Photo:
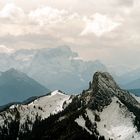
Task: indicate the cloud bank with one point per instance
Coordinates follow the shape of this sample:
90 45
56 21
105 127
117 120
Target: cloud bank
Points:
103 30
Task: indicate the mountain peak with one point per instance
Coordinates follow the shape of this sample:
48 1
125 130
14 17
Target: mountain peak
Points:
18 86
14 73
103 79
101 91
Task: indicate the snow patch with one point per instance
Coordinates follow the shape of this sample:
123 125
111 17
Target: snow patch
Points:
81 122
117 122
90 115
43 107
56 92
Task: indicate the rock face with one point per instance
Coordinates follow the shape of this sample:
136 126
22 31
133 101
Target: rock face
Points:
103 111
101 91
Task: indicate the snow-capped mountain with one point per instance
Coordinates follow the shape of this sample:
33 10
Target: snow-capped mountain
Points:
49 66
102 112
43 107
16 86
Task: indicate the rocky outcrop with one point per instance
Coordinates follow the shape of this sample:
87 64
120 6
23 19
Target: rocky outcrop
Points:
102 89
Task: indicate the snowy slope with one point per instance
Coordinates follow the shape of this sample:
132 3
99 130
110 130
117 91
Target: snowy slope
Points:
43 107
116 122
81 122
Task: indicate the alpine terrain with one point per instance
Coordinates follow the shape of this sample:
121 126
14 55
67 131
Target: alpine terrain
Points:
104 111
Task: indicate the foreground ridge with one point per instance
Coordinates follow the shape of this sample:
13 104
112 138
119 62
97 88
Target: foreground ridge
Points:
104 111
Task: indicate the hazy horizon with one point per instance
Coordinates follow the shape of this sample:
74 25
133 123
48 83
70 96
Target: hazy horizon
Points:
96 30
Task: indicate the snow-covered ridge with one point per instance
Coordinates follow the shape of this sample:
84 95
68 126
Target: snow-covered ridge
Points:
114 108
116 122
43 107
56 92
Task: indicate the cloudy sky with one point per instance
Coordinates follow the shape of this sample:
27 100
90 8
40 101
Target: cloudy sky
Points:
108 30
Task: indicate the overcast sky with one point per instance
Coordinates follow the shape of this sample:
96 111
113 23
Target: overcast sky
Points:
108 30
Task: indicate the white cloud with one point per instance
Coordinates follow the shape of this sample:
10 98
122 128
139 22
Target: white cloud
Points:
4 49
26 24
57 22
43 20
12 13
99 25
47 15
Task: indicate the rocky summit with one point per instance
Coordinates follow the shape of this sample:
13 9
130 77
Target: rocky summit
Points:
104 111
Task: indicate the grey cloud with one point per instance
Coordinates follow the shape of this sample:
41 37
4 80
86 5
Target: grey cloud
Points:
126 2
29 41
120 46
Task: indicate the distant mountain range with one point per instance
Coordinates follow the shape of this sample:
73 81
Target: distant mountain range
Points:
54 68
16 86
135 84
135 91
130 80
61 68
